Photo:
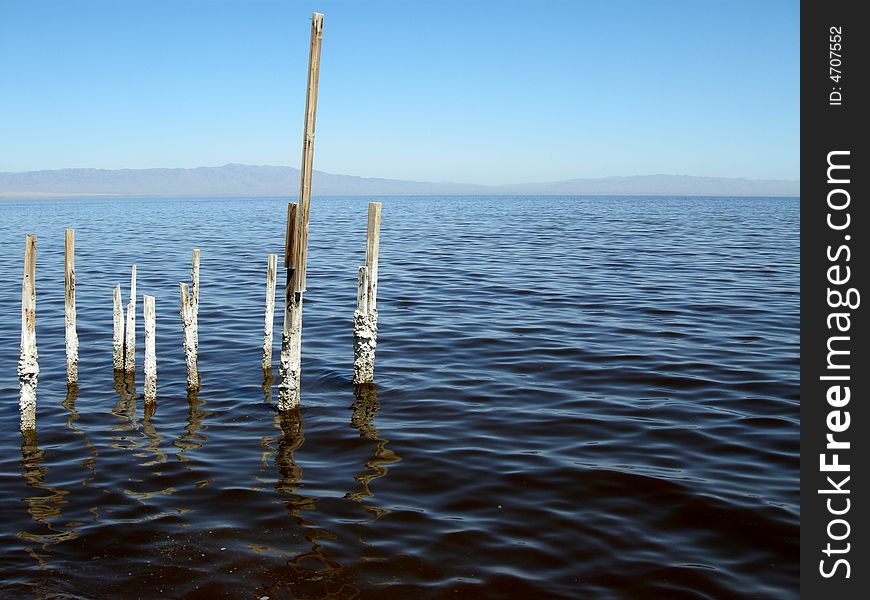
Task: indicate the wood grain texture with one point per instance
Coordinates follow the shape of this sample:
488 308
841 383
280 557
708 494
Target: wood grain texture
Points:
28 363
188 325
130 327
373 245
71 336
308 150
117 330
149 318
269 322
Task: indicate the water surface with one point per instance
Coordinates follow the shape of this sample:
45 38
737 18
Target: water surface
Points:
576 398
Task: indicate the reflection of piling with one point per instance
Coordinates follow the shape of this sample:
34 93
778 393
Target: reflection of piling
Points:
130 329
365 317
292 438
28 365
363 419
125 408
296 251
69 403
150 357
118 330
46 503
188 326
72 338
192 438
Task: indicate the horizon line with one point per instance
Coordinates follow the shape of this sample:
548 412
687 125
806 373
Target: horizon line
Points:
443 181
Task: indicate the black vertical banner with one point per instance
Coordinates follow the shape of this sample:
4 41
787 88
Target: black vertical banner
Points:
835 421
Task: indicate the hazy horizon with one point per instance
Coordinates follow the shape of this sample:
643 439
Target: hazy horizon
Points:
242 180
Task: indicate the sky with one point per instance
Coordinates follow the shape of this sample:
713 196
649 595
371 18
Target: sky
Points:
501 91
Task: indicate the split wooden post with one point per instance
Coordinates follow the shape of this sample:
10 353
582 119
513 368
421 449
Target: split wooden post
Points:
130 329
365 317
268 325
188 326
297 244
72 338
150 357
291 332
308 149
28 365
194 277
190 322
118 330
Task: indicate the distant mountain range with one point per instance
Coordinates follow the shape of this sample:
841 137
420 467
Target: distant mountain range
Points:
253 180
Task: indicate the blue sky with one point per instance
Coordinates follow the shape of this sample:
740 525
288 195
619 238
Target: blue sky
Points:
472 91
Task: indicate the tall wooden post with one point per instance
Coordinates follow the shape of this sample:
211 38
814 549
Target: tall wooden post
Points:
72 338
150 356
28 365
130 329
308 149
291 338
291 332
365 317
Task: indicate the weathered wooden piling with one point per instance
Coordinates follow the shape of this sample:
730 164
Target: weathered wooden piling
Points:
365 317
118 331
130 329
268 325
190 322
150 357
28 365
72 338
308 149
291 332
194 299
296 249
188 326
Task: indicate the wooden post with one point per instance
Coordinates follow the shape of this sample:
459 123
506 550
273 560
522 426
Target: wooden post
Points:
118 331
271 269
150 357
188 326
28 365
72 338
194 276
373 246
308 149
365 318
362 291
130 329
296 249
291 332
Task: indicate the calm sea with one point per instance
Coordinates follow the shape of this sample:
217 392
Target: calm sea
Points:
576 398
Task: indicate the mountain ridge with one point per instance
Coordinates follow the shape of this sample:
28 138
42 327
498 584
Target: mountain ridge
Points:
236 179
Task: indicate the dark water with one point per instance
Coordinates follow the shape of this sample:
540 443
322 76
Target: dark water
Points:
576 398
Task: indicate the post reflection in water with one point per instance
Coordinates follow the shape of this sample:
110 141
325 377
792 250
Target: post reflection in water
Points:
289 482
154 439
69 403
45 505
125 412
362 419
192 438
